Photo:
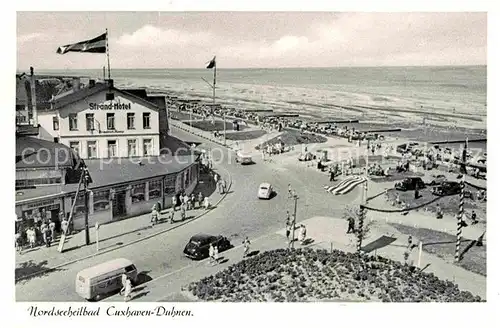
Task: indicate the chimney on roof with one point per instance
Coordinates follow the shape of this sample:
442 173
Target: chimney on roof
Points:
91 83
76 84
33 97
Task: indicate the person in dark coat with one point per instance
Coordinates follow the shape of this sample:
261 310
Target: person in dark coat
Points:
350 227
332 175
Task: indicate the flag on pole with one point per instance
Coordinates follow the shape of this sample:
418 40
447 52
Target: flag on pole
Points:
95 45
211 64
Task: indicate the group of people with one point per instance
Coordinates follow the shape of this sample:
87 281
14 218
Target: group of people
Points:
40 232
182 202
291 227
220 184
473 216
213 252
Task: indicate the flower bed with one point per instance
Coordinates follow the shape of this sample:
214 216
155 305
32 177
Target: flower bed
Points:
303 275
245 135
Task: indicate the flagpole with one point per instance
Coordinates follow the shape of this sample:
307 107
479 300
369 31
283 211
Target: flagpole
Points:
107 54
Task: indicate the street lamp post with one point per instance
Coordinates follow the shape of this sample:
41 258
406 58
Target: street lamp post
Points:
295 198
86 178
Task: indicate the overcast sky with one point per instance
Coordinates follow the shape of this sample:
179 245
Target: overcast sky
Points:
253 39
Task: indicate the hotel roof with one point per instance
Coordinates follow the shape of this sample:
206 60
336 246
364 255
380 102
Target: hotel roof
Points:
34 153
87 91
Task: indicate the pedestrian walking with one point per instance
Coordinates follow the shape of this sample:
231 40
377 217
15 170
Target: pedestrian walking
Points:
193 201
154 217
174 202
216 254
30 233
350 225
124 283
64 226
211 253
200 199
219 186
19 247
288 227
439 212
186 200
246 247
48 237
216 178
223 182
332 175
44 230
474 217
128 289
206 203
52 227
290 191
302 234
43 226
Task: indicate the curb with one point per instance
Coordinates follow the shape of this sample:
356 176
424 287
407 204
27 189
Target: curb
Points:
129 243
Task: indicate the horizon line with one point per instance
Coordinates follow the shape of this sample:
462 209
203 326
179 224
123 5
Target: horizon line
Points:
248 68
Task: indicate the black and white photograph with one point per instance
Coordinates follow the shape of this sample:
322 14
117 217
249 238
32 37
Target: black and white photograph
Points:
250 157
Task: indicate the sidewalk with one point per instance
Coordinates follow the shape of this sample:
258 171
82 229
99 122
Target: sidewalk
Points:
326 233
113 235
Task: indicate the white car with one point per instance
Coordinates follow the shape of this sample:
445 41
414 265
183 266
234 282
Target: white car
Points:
265 191
243 158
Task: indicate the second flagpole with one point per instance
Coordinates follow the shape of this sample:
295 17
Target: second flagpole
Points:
107 54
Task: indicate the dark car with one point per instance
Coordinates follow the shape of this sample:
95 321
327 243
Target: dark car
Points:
410 184
198 246
448 188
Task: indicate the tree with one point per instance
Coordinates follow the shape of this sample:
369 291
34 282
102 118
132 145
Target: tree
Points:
352 212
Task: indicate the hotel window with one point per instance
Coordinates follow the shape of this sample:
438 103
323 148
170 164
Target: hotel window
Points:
154 189
110 119
101 200
73 122
130 121
148 147
132 147
90 121
145 121
55 123
111 148
138 192
91 149
75 145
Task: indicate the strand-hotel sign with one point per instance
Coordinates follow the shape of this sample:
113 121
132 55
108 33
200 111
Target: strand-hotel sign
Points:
110 106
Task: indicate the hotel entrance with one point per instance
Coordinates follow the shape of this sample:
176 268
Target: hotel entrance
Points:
119 204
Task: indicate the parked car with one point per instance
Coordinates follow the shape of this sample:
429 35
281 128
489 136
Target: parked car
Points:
438 179
265 191
198 246
410 183
406 147
305 157
448 188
